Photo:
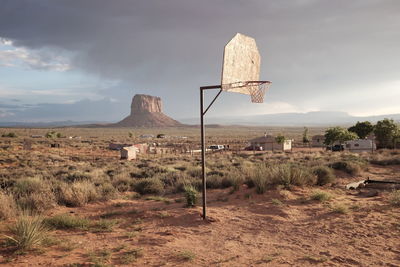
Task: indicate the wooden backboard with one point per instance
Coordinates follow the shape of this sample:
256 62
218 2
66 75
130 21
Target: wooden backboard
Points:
241 63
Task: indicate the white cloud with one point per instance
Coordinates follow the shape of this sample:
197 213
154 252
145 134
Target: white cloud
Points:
11 56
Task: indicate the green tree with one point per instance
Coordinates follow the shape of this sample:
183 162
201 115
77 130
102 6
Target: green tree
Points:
280 139
10 134
338 134
306 140
362 129
386 133
51 134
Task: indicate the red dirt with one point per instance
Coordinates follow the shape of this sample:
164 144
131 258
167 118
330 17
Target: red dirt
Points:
247 230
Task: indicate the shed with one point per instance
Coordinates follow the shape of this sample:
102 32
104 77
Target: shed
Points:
360 145
128 152
268 142
318 140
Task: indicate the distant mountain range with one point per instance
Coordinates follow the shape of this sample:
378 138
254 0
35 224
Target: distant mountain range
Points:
49 124
318 118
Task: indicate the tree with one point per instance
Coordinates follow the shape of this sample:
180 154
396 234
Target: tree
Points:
280 139
306 140
386 133
51 134
362 129
338 134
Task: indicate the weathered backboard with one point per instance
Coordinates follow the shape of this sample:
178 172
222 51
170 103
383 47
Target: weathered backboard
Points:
241 64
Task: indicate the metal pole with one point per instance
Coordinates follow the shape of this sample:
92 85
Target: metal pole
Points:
203 153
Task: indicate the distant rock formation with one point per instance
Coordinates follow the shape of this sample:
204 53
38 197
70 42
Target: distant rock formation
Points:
146 111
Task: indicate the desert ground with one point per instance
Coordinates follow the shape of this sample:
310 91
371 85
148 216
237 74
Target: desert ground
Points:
264 208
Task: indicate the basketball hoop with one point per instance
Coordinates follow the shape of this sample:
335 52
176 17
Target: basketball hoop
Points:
240 74
256 89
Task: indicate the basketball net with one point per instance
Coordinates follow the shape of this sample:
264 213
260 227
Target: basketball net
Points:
256 89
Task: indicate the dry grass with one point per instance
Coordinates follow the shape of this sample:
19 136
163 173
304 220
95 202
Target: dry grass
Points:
8 206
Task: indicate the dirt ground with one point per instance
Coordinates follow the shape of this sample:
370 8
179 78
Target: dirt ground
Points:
279 228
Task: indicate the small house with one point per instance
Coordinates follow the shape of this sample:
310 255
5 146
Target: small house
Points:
128 152
318 140
269 143
360 145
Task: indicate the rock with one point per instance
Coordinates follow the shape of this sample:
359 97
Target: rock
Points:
146 111
145 103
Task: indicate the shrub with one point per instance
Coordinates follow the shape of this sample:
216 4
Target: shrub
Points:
77 176
28 231
394 198
340 208
11 134
236 180
107 191
320 196
186 255
195 171
65 221
77 194
131 255
261 179
386 162
214 181
121 183
34 194
149 186
349 167
191 196
8 207
283 174
324 175
181 180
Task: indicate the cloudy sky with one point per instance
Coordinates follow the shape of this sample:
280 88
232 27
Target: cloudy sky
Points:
84 60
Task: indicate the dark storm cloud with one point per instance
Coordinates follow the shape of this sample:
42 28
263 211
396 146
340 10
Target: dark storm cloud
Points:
170 47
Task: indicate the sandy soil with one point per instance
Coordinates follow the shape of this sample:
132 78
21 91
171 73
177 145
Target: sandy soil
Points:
246 229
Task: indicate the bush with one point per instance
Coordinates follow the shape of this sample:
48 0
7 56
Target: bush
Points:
386 162
283 174
349 167
324 175
28 231
121 183
8 207
77 176
261 179
77 194
11 134
65 221
320 196
107 191
191 196
394 198
214 181
340 208
34 194
149 186
181 180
